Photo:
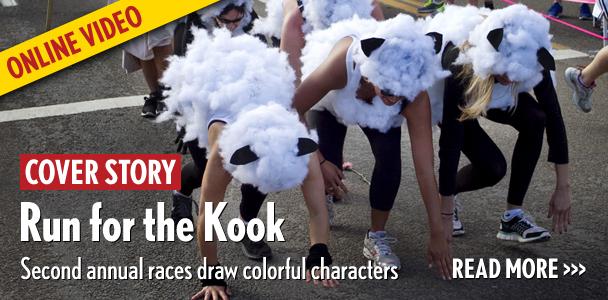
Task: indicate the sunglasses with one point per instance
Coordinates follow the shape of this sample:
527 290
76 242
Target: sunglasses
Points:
228 21
387 93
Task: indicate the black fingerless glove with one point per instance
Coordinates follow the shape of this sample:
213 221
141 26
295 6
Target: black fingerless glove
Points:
212 278
315 253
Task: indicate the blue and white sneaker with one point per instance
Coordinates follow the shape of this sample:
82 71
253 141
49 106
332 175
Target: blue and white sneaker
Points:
521 228
584 12
555 10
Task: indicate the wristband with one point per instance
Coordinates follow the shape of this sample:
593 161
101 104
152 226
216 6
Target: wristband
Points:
315 253
212 278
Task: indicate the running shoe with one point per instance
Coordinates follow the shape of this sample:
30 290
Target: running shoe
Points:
581 95
181 208
457 227
430 7
522 228
584 13
555 10
255 250
150 105
376 248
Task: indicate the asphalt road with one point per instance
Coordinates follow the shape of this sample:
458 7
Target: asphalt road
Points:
124 131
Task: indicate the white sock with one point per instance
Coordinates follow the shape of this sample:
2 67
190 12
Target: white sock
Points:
509 214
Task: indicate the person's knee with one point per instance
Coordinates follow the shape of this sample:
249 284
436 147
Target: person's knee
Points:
496 171
191 179
535 121
382 205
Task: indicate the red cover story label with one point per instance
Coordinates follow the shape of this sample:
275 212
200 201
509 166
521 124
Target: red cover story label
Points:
100 171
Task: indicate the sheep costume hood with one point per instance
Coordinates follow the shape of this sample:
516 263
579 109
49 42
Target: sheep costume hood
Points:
514 41
208 13
264 143
403 62
318 14
455 24
272 24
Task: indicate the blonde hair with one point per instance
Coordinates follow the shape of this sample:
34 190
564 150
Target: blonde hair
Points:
478 94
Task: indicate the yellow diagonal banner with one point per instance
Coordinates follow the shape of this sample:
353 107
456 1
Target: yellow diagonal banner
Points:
86 36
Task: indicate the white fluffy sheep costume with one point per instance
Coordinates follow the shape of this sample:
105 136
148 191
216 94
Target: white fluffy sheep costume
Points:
318 14
394 55
208 13
251 87
514 41
454 24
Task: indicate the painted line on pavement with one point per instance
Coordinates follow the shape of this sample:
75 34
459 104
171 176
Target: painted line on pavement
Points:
69 108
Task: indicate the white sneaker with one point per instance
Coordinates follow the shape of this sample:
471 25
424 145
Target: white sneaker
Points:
457 227
581 95
376 248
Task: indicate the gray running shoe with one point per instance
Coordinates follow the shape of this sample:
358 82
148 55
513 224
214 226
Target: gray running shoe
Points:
457 227
376 248
522 228
581 95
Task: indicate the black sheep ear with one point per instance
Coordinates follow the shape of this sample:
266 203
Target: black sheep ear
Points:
546 59
495 37
438 39
369 45
450 54
306 146
243 156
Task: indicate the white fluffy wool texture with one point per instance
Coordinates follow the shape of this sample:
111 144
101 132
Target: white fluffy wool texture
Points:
234 75
455 24
208 13
320 14
272 132
320 43
406 63
272 23
525 31
348 109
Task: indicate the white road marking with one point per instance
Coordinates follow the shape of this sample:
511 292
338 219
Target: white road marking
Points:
564 54
69 108
7 3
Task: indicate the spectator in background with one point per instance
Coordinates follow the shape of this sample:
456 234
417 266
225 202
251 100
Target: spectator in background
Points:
149 52
433 6
582 81
584 12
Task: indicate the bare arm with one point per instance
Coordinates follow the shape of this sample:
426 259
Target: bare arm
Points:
418 115
418 118
330 75
377 12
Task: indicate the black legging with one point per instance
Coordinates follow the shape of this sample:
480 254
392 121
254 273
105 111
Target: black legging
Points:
386 148
192 176
530 118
